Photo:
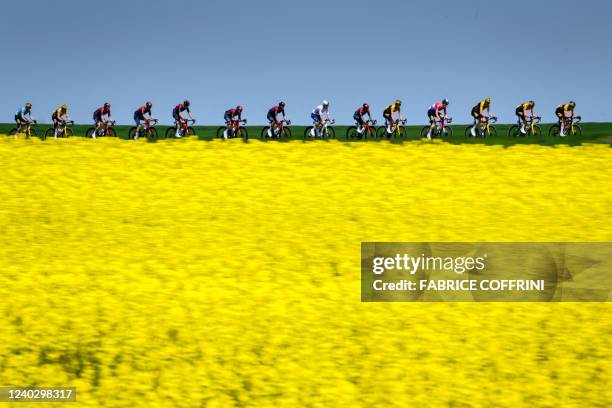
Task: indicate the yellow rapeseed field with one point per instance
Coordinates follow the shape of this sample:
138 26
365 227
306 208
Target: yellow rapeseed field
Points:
223 274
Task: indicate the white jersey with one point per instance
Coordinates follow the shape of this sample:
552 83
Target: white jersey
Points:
321 110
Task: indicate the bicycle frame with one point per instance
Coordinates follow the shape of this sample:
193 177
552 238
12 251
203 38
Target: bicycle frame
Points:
148 126
570 122
368 126
324 125
440 124
234 125
106 127
64 127
280 127
185 125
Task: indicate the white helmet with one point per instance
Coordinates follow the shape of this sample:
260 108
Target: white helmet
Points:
325 103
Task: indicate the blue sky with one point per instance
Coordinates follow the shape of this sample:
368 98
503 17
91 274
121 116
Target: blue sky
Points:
222 53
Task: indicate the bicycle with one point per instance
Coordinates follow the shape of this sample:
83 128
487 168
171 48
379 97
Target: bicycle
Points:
324 131
233 130
532 127
398 130
185 129
65 130
571 127
282 131
105 130
365 132
30 129
483 129
149 130
441 128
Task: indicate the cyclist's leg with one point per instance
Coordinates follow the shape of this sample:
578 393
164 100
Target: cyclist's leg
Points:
55 120
138 126
431 114
178 123
19 123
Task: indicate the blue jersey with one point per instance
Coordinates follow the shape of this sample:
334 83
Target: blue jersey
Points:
23 112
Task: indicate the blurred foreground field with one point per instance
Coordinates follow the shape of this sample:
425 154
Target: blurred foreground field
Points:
223 274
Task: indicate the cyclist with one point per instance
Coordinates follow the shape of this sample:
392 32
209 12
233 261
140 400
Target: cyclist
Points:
177 114
98 117
433 113
521 112
317 116
478 113
360 113
59 117
142 114
562 112
232 117
20 116
273 115
390 110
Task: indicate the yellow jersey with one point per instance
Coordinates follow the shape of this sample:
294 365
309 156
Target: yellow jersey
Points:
392 109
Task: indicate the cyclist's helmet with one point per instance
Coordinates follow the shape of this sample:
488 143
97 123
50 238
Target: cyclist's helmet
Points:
281 104
149 105
186 103
531 103
488 99
107 105
64 107
366 106
572 104
325 103
398 102
28 105
239 108
445 102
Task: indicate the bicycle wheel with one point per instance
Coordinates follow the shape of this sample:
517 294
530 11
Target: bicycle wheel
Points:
49 133
369 134
351 133
554 130
381 133
468 131
514 131
111 132
399 133
191 131
490 132
577 131
425 131
447 132
132 133
535 131
308 133
243 134
89 132
170 132
152 134
265 133
220 132
13 132
286 133
330 134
